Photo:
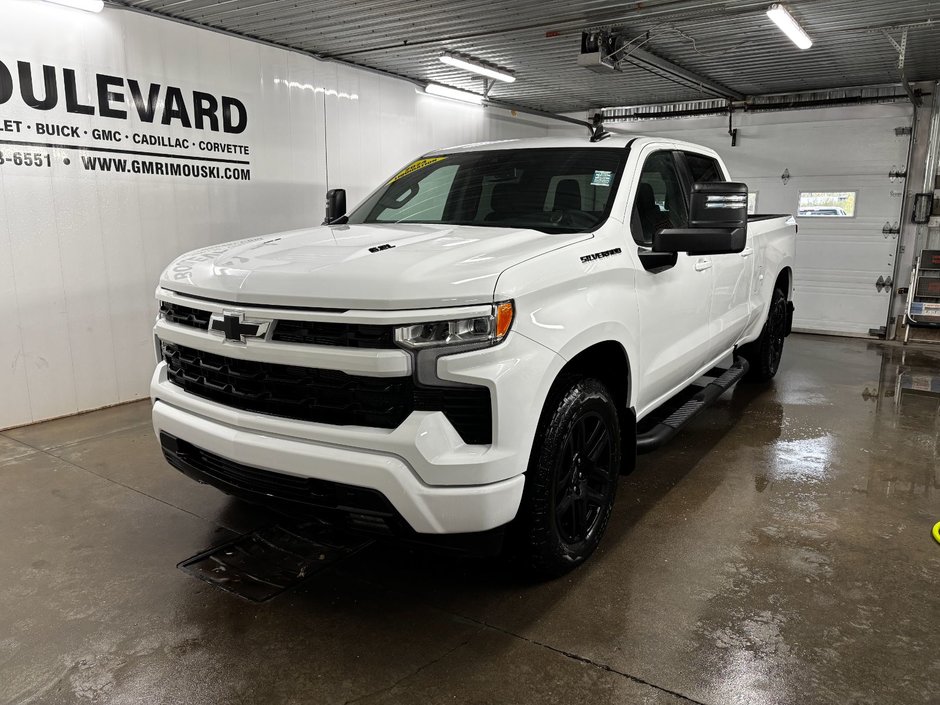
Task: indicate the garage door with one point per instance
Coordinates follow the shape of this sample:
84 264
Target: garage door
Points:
841 161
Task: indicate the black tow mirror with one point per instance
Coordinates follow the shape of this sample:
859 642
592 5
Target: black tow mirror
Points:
701 241
335 207
717 222
721 204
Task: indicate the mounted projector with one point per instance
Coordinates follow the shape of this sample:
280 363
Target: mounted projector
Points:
597 50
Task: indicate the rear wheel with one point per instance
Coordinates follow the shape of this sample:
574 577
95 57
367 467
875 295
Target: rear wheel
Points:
764 354
572 477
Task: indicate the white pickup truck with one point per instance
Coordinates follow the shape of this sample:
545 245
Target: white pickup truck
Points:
469 355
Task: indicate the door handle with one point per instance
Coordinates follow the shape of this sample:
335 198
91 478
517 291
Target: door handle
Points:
702 265
747 252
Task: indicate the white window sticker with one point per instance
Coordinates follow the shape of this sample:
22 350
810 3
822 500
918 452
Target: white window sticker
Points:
602 178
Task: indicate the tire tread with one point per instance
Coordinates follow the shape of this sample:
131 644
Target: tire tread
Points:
537 541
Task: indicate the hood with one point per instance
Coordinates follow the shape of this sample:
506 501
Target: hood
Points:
427 266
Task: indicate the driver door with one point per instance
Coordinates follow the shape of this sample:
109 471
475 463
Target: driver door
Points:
673 302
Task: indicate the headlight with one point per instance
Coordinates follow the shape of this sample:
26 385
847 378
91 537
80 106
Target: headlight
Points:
479 330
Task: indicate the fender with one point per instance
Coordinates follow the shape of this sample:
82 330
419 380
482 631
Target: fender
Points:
754 328
569 305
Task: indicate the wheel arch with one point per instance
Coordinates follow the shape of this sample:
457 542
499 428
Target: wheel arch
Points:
608 362
784 282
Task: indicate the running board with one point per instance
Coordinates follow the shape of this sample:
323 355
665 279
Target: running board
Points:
665 430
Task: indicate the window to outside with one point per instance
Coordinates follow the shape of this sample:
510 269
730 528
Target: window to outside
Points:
552 190
705 170
827 204
660 199
751 202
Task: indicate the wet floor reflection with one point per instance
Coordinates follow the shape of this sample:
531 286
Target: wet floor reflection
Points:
907 400
822 598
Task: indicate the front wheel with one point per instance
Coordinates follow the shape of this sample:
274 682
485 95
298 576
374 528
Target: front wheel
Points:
764 354
571 480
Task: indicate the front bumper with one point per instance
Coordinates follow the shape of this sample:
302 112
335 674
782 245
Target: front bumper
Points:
429 510
434 481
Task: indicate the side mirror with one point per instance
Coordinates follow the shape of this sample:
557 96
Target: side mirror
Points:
717 222
335 207
721 204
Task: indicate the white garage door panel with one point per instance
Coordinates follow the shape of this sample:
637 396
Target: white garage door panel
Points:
833 148
839 260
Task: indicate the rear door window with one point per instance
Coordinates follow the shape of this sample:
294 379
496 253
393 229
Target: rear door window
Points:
661 201
704 169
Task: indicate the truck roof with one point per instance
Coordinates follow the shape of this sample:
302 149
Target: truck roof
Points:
617 140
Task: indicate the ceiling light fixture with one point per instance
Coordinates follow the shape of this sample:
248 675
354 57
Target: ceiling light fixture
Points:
789 26
479 67
87 5
454 93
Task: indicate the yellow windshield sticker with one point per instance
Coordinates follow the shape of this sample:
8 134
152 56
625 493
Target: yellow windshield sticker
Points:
414 166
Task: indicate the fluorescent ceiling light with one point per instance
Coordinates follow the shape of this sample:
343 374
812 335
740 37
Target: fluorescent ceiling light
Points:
789 26
448 92
89 5
476 67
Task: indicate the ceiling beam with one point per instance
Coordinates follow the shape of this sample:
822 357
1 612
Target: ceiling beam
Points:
646 60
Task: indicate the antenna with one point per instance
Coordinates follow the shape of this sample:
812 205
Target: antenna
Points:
598 132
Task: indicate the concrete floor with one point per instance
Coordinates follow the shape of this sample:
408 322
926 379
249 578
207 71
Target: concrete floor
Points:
779 551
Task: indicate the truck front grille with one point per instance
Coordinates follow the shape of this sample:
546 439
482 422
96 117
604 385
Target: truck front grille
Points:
347 335
185 316
325 396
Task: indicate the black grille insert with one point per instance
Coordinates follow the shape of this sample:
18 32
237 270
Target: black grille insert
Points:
347 335
325 396
185 316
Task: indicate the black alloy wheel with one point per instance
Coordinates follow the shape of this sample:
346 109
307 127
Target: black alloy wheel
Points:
584 478
764 354
571 481
777 331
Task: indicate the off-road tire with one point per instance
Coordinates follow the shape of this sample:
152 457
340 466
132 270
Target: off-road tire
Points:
764 354
572 477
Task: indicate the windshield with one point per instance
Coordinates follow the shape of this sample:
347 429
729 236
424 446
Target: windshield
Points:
552 190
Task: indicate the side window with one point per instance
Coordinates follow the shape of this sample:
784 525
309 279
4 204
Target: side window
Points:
422 201
704 169
660 201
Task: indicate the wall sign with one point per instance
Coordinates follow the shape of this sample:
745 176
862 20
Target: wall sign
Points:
44 98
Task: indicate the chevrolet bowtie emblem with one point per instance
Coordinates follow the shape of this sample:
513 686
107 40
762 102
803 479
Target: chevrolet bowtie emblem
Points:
235 327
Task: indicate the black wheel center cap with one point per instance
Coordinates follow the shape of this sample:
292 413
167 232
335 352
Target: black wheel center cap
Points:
583 482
